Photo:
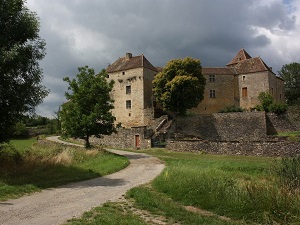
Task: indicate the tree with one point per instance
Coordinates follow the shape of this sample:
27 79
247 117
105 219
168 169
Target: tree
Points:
267 104
180 85
88 111
291 75
20 75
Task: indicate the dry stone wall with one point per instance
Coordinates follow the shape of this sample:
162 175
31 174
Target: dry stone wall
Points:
273 148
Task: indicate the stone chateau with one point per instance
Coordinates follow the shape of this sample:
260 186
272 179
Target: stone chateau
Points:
238 83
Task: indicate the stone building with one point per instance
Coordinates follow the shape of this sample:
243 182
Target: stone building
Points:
238 84
132 92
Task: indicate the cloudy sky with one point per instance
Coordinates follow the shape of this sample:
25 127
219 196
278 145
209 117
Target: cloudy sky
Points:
97 32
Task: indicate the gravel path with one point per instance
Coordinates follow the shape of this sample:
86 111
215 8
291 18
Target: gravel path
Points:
57 205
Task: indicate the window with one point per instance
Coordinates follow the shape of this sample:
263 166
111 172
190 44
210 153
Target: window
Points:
244 92
244 78
280 97
123 73
212 78
212 93
128 89
128 104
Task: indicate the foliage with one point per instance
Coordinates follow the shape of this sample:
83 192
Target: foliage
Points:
20 130
267 104
88 111
180 86
278 108
232 108
288 173
25 170
291 75
20 75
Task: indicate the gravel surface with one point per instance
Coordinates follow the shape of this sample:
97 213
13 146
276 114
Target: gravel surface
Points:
57 205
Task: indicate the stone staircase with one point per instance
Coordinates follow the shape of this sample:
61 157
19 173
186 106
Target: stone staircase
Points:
161 133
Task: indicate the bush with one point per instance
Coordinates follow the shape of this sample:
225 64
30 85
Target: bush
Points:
278 108
20 130
266 100
231 108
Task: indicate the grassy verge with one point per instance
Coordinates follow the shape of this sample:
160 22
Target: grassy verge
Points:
26 169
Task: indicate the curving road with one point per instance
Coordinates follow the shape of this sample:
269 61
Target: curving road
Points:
57 205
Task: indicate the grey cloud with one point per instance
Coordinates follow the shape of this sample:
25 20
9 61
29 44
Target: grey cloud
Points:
212 31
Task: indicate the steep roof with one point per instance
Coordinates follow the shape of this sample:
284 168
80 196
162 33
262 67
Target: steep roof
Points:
218 70
251 66
130 62
240 56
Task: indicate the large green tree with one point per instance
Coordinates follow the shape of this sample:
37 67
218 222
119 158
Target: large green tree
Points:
88 111
180 85
291 75
20 74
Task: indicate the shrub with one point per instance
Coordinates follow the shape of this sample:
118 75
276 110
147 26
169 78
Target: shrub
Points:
266 100
278 108
231 108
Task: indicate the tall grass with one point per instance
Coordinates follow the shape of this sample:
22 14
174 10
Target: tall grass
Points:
238 187
46 165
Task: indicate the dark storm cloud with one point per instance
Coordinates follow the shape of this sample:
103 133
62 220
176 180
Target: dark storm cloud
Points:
96 33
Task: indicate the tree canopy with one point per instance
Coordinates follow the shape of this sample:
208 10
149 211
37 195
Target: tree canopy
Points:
291 75
20 74
180 85
88 111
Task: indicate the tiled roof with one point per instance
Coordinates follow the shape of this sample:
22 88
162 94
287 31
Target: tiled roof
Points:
240 56
251 66
130 62
218 70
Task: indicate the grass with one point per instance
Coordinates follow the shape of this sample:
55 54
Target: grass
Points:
25 169
239 187
108 214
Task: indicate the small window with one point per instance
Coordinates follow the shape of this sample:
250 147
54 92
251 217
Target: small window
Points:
280 97
244 92
128 89
212 93
123 73
128 104
212 78
129 114
272 91
244 78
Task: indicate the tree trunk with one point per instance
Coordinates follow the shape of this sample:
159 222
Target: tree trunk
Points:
87 142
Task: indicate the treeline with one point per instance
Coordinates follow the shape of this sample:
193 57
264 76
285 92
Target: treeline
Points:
30 126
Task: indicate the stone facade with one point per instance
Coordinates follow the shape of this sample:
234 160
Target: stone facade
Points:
237 84
132 91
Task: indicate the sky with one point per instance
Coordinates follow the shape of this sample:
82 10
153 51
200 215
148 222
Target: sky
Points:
98 32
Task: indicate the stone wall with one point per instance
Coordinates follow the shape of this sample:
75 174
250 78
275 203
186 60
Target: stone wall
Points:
126 138
223 126
279 123
272 148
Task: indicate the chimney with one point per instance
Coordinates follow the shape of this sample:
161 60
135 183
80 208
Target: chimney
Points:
128 56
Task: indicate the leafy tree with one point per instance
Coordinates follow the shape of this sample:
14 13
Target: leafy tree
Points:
291 75
180 85
20 75
88 111
266 100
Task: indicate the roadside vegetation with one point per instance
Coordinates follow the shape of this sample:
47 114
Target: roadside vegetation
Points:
27 166
215 189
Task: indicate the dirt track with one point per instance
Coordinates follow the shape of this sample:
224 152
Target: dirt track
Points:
57 205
